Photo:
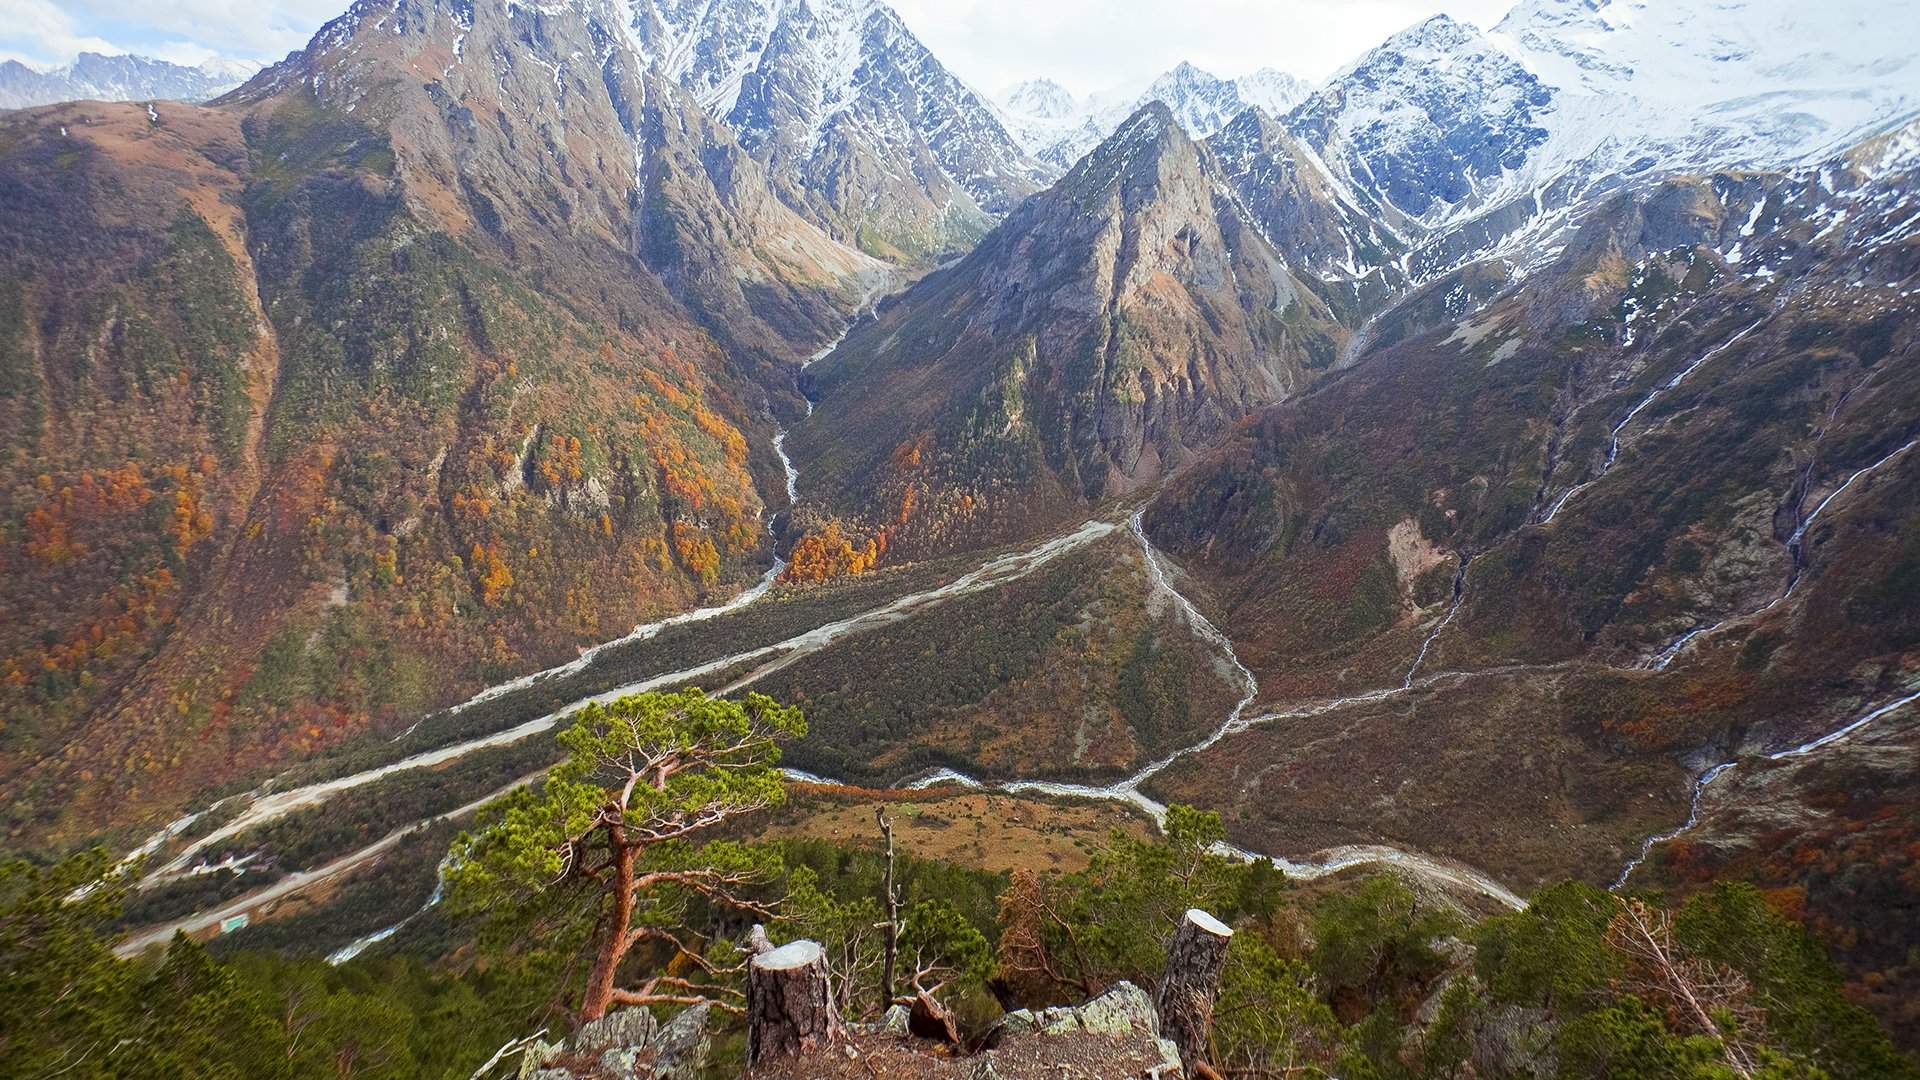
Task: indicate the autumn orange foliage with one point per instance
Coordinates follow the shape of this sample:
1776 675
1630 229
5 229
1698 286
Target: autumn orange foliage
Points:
495 577
830 553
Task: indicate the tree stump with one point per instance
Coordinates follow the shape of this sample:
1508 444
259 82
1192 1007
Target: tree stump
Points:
790 1003
929 1019
1191 983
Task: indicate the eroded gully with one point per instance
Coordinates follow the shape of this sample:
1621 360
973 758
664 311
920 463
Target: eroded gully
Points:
1706 779
1613 436
1796 549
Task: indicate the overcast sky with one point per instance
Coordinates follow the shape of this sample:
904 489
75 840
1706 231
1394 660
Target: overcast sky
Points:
1087 45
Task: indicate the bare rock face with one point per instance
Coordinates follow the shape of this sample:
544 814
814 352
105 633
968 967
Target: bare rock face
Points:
1427 118
863 129
626 1045
544 127
1324 226
1115 1035
1108 330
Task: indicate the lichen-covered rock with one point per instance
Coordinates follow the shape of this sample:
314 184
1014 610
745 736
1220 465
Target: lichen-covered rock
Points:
896 1020
626 1063
1122 1014
626 1028
681 1047
1017 1022
534 1058
1515 1041
626 1045
1120 1010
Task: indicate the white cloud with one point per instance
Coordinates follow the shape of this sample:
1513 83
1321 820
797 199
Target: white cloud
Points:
1092 45
258 29
38 34
44 33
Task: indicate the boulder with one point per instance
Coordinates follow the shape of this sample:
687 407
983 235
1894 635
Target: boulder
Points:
897 1021
1515 1041
1120 1011
625 1045
680 1048
625 1028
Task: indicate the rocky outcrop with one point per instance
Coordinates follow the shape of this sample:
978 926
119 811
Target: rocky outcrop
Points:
625 1045
1125 1015
1115 1035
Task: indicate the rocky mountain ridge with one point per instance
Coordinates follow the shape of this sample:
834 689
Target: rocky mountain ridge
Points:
440 314
1444 121
1105 331
867 134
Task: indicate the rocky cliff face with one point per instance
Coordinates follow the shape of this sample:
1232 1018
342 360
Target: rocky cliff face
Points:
520 122
1567 98
1322 226
1428 118
1106 331
867 134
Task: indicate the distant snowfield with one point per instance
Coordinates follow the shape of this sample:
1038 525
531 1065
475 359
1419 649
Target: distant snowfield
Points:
1632 85
1697 84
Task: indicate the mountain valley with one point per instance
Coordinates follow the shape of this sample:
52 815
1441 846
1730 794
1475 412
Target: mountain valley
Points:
1495 465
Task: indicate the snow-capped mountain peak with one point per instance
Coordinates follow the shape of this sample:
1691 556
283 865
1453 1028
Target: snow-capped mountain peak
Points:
1058 129
1273 90
837 95
1443 120
1040 98
1201 101
1430 118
